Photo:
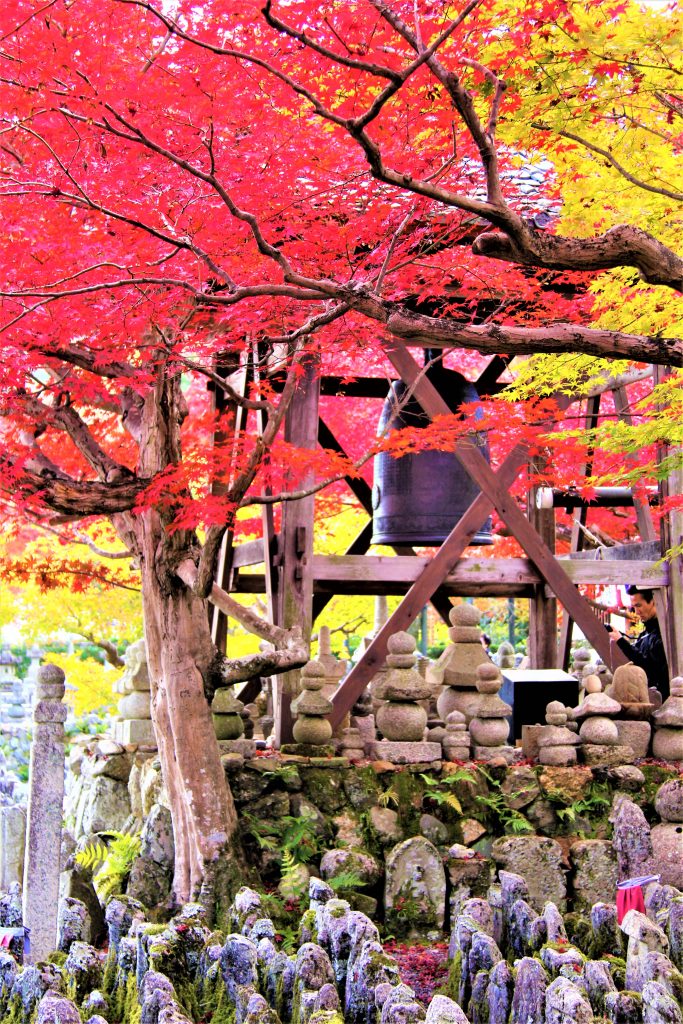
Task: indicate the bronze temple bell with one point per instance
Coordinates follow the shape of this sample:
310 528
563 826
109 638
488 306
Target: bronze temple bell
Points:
418 498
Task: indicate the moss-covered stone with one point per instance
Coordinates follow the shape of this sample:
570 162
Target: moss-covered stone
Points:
362 787
324 788
579 929
408 790
451 986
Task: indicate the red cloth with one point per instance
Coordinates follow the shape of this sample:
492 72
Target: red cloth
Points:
629 899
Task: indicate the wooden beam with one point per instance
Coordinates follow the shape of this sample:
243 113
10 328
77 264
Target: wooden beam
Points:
470 577
251 553
487 381
358 485
407 569
507 508
579 520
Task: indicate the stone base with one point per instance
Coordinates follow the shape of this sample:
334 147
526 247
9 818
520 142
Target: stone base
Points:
558 756
598 755
636 735
329 762
243 747
309 749
453 753
135 730
487 754
406 753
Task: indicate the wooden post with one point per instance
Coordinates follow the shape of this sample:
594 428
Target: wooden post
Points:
542 646
296 542
576 544
672 536
646 527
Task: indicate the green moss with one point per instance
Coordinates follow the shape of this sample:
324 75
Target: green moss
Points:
323 788
409 790
307 926
14 1014
326 1017
154 929
617 968
57 957
109 976
451 987
655 776
579 930
216 1006
187 997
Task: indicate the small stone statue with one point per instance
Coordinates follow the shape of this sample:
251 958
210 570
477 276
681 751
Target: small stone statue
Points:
557 744
311 707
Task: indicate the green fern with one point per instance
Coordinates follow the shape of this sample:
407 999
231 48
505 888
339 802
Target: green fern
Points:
436 793
389 796
92 856
109 862
346 880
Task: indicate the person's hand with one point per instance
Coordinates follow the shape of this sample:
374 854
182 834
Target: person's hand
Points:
614 634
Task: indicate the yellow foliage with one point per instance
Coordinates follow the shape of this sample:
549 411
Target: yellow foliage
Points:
88 683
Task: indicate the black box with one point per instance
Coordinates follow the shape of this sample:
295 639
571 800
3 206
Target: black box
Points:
528 691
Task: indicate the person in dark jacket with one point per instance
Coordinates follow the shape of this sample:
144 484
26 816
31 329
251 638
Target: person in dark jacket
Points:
647 650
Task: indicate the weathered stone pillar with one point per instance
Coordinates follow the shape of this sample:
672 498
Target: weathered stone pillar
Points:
12 841
44 826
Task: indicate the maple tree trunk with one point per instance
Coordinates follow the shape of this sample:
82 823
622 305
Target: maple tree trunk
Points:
179 655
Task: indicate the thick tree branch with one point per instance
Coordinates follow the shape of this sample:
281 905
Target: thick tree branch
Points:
621 246
265 663
81 498
280 638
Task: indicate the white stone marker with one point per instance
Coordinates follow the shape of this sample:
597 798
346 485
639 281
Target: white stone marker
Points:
44 826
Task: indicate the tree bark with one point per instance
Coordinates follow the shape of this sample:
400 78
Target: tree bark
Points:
179 656
181 660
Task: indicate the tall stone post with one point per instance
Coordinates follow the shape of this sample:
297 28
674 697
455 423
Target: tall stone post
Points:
44 826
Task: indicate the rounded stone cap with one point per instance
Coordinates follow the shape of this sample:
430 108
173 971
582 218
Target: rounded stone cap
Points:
597 704
464 615
401 643
401 647
50 682
313 676
592 683
677 686
669 801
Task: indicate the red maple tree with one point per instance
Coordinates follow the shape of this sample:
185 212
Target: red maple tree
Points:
179 192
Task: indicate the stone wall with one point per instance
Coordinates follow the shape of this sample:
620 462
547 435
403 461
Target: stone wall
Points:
397 842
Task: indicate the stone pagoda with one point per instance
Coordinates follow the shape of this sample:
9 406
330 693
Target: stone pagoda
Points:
460 661
490 728
401 719
134 723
